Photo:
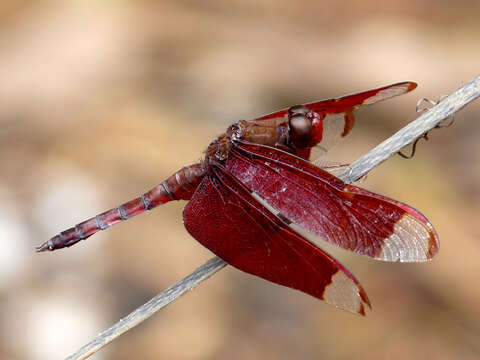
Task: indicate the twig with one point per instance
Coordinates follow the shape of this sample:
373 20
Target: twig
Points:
427 121
148 309
359 168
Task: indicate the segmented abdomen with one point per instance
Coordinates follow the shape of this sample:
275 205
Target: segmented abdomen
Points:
179 186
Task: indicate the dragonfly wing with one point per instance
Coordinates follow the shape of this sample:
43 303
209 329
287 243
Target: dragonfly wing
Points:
344 215
338 114
225 217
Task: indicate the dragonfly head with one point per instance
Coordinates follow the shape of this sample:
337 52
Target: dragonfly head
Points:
305 127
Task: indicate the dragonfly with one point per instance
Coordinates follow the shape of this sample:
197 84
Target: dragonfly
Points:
257 201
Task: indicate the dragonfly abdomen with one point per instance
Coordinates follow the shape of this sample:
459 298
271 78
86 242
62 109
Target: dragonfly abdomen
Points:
179 186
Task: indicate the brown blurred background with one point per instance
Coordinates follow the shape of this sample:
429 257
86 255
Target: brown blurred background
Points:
100 101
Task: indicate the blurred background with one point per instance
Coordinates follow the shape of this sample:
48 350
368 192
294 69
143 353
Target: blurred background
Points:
101 101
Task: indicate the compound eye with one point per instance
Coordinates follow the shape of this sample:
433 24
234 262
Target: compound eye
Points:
300 131
298 109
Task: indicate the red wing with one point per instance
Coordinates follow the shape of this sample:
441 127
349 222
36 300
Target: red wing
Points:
353 101
344 215
224 217
338 113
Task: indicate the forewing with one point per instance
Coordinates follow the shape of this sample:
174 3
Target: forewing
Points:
344 215
338 116
224 217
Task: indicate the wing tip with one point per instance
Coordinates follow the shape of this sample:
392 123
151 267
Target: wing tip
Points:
346 293
406 85
433 240
361 312
389 91
433 244
411 85
364 297
413 239
364 301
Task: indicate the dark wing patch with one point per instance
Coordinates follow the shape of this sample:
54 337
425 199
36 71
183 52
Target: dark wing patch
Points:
344 215
225 218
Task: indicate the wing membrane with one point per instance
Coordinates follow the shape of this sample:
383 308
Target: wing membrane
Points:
225 218
338 113
344 215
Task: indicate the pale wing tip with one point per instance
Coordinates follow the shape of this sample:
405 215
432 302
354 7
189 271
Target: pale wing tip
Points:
402 87
409 85
412 240
344 293
390 91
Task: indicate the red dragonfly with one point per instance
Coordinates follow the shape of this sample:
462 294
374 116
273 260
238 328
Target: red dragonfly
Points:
256 187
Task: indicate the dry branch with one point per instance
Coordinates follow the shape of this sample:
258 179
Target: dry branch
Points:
427 121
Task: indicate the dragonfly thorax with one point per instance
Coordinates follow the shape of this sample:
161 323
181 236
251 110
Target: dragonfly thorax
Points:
296 132
219 149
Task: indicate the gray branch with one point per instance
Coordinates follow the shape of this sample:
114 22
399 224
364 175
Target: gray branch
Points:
427 121
151 307
405 136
